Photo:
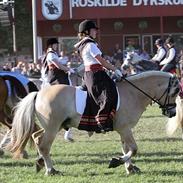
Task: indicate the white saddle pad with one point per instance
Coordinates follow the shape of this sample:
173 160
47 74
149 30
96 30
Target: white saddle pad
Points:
81 100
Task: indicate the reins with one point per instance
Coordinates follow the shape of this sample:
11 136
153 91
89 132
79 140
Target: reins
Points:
154 100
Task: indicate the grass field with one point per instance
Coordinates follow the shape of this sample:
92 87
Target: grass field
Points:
86 160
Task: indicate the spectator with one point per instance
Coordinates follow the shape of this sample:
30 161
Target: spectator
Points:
130 47
144 55
117 54
64 59
6 67
17 68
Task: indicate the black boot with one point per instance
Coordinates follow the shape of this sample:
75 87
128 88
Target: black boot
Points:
107 126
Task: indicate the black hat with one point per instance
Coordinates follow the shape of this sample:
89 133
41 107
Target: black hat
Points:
169 40
158 42
51 41
86 25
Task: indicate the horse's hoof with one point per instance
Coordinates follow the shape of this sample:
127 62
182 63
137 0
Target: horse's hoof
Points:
90 134
39 164
53 172
115 162
25 154
1 152
69 139
21 155
132 169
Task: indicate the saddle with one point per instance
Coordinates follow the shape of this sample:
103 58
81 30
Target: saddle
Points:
86 106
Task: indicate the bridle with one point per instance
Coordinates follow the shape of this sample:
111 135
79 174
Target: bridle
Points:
166 106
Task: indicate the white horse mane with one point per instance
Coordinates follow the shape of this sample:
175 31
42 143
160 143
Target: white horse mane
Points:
147 74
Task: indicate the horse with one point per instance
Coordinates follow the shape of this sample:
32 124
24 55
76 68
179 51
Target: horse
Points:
137 64
11 91
17 91
55 108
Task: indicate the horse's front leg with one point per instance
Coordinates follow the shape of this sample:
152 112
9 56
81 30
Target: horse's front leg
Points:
130 168
129 149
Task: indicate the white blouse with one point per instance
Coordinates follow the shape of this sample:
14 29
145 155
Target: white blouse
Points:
88 54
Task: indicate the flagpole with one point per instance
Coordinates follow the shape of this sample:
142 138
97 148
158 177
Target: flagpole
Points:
34 31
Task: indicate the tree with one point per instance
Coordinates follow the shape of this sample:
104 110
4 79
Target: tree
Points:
23 27
23 24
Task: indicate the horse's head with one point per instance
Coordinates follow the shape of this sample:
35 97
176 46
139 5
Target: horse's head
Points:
135 58
167 99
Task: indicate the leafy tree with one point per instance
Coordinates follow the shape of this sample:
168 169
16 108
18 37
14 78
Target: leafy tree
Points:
23 24
23 29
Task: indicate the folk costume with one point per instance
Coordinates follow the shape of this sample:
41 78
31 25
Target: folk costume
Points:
161 52
52 73
99 85
169 62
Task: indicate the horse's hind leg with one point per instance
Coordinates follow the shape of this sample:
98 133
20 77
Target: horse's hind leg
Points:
5 119
44 140
4 96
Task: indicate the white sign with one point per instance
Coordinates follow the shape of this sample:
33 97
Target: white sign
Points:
98 3
157 2
115 3
52 9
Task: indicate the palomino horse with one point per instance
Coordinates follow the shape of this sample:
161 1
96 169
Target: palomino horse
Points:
55 108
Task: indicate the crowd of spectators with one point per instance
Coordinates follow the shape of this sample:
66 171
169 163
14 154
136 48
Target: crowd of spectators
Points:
27 69
73 60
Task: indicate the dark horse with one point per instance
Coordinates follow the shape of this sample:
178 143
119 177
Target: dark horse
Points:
11 91
17 91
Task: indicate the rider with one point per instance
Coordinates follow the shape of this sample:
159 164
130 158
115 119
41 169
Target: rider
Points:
161 52
169 62
55 72
99 85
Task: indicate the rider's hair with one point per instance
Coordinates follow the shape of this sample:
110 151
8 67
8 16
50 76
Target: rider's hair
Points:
81 35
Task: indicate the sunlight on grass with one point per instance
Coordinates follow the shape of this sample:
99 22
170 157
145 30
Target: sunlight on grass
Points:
86 160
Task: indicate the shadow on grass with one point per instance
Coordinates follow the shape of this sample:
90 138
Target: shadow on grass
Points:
161 154
165 173
166 139
84 161
18 163
92 154
153 116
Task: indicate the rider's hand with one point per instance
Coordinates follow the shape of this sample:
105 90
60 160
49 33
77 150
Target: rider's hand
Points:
118 74
71 71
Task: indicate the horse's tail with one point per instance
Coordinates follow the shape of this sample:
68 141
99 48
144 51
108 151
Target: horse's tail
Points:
23 123
176 121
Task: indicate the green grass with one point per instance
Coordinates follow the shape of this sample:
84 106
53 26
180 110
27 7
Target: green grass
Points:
86 160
